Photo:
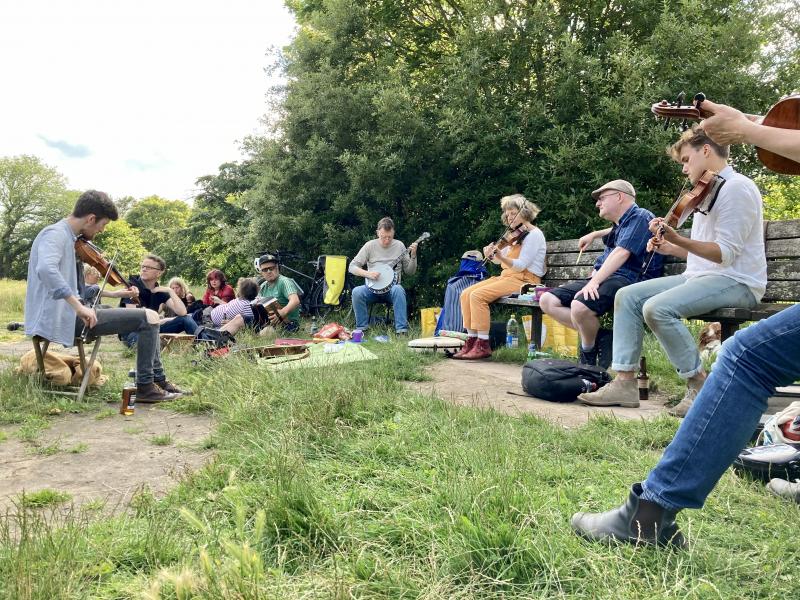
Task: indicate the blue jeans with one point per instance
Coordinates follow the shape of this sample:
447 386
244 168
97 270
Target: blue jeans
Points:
663 303
185 324
724 415
363 296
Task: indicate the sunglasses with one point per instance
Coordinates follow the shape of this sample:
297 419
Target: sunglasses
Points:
149 268
268 269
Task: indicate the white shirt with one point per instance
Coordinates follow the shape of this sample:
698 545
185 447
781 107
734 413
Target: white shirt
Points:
531 255
736 224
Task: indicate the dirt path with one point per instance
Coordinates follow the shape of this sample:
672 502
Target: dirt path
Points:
485 384
105 459
100 455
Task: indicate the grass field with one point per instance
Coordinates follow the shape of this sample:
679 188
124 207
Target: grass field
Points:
345 484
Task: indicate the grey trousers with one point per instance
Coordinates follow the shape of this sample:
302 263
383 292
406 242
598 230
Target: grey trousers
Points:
125 321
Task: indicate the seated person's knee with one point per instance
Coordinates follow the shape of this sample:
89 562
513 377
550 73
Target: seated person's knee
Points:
152 316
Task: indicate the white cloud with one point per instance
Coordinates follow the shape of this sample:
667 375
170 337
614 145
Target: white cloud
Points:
154 93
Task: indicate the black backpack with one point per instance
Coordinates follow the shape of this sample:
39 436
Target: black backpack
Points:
561 380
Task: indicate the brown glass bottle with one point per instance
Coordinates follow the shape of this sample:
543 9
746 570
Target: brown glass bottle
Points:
642 379
128 405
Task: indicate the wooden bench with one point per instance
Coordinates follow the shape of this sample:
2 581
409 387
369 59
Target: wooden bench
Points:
782 240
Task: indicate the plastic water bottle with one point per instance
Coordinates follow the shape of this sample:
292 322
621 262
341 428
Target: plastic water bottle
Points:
314 326
512 333
532 350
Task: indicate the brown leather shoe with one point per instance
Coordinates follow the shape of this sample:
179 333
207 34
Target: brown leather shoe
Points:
170 387
466 348
482 349
150 393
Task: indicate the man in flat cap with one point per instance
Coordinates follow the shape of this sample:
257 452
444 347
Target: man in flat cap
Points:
725 267
580 304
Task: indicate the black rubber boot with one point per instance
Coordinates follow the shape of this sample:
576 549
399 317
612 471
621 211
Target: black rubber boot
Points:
636 522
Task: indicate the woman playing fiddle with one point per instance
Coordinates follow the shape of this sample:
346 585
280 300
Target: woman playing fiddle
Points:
521 253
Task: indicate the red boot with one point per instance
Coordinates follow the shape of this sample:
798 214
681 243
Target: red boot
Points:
482 349
468 345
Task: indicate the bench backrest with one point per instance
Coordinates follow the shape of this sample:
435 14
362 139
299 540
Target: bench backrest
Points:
782 239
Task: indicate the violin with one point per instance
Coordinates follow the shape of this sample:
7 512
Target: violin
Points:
91 255
512 236
700 198
783 115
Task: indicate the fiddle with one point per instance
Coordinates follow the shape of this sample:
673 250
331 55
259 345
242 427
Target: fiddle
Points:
785 114
512 236
91 255
700 198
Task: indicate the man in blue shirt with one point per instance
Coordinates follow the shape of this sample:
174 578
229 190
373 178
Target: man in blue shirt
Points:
579 304
52 299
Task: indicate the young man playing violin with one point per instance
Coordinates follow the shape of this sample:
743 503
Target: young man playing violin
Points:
55 282
523 261
725 413
725 266
580 304
386 250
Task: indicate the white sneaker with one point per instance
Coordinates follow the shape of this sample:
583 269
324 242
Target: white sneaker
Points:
785 489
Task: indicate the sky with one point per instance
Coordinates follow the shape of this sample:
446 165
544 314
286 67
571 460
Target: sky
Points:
136 98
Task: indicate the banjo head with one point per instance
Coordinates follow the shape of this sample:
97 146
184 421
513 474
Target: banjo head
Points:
385 280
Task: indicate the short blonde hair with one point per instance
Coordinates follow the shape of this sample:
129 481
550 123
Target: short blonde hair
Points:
527 209
180 282
90 270
696 137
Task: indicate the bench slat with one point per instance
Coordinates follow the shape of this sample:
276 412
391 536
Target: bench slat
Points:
783 229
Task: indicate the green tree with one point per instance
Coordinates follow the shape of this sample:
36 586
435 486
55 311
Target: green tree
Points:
430 110
162 226
781 197
32 195
121 240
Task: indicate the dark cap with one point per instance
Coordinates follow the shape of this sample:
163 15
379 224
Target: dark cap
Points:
268 258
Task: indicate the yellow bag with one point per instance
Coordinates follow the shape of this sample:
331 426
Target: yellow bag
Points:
562 339
559 338
335 273
428 319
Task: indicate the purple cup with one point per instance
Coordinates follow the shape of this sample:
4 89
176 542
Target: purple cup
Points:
357 335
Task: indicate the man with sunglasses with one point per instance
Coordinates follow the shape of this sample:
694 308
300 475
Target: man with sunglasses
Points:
284 289
153 296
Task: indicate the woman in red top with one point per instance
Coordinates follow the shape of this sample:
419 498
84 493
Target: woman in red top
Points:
218 290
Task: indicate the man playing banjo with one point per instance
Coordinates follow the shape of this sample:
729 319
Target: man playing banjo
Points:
382 261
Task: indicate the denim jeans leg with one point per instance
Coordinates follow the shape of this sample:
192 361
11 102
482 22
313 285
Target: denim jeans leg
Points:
185 324
398 296
665 314
629 322
126 321
362 296
725 413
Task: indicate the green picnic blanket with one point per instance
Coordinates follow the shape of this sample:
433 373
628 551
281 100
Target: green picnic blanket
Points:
344 353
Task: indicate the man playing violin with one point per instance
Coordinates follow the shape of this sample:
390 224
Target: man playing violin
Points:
386 250
522 260
725 266
55 282
725 413
579 304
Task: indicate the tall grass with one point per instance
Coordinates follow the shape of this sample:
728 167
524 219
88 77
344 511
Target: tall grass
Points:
343 483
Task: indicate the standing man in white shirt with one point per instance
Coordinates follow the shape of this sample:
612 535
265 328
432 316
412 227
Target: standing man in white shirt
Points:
725 266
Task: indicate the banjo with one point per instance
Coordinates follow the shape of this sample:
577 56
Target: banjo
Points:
387 276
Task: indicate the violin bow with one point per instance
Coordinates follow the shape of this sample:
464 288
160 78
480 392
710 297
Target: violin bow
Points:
99 294
508 228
